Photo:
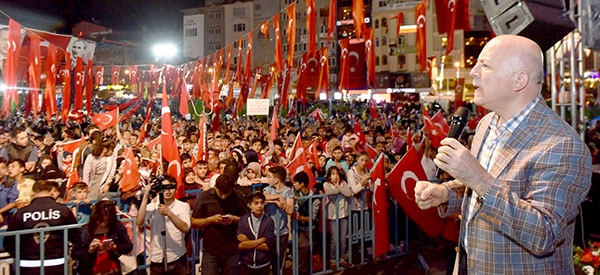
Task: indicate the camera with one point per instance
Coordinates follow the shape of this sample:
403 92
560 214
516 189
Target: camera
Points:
157 187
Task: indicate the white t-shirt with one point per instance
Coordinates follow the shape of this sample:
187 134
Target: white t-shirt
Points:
175 238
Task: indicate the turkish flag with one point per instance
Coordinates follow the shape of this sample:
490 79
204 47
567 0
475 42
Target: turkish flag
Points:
291 32
311 25
472 123
359 133
255 82
184 98
79 74
436 128
35 71
373 110
331 19
357 62
99 75
358 14
274 127
65 73
380 208
11 96
317 114
278 51
107 119
89 85
264 29
266 82
424 111
116 71
284 85
301 83
238 70
370 57
131 176
313 154
201 155
344 69
49 98
142 136
228 66
133 74
323 72
151 144
169 150
72 145
399 18
420 19
300 163
248 66
371 151
402 181
297 147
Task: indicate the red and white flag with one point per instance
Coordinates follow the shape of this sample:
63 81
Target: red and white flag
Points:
201 155
380 208
49 98
402 181
106 119
114 77
131 176
300 163
370 58
358 14
362 139
421 20
437 129
297 147
169 150
274 127
184 98
291 32
317 114
35 72
311 25
313 154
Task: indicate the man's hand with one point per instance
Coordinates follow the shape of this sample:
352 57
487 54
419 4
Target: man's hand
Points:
458 161
429 194
165 210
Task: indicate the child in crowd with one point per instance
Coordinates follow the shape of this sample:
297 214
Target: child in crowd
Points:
190 184
203 175
338 193
280 204
16 168
256 235
81 204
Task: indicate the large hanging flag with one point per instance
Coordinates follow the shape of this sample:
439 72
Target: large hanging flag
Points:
402 181
323 73
169 150
184 98
380 208
344 70
115 73
446 18
79 80
227 74
358 14
278 51
357 62
291 32
421 20
301 82
65 74
238 70
331 19
35 72
284 85
370 57
49 98
264 29
99 75
89 85
399 19
11 96
311 25
107 119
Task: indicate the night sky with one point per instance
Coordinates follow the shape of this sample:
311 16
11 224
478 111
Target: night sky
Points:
127 15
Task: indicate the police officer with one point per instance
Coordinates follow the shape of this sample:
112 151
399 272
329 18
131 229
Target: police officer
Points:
42 212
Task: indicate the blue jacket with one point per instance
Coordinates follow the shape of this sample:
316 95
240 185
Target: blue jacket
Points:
255 257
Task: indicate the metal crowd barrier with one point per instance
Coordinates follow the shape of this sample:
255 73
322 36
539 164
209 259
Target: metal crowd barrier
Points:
360 239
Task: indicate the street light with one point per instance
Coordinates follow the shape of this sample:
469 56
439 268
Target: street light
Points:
164 51
457 65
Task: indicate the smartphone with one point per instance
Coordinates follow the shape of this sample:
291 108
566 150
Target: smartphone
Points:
106 242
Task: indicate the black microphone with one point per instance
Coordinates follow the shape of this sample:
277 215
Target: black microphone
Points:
457 125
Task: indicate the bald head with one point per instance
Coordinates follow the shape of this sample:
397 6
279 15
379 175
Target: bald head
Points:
522 54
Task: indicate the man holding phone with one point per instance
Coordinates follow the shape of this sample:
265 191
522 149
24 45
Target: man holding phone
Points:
217 212
170 221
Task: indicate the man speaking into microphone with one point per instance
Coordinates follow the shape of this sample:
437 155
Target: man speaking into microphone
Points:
519 187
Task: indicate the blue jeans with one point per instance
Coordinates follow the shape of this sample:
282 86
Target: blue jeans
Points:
212 264
340 233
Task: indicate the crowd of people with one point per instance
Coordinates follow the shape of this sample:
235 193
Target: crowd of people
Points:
241 199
